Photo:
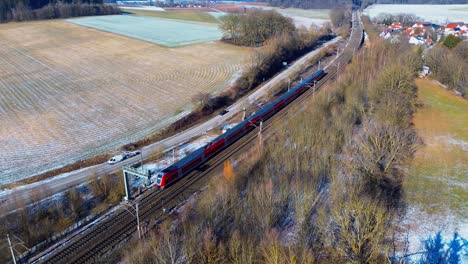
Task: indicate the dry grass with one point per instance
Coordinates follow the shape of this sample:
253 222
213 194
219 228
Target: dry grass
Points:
438 173
70 92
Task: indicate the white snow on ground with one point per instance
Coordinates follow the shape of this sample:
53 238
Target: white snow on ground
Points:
300 19
8 193
306 22
146 8
421 226
451 141
433 13
217 15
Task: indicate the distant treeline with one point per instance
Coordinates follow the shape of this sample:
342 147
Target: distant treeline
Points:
22 10
362 3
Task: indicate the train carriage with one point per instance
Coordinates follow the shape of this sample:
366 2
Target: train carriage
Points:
195 159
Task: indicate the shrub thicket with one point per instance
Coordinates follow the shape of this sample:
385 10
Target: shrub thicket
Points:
450 66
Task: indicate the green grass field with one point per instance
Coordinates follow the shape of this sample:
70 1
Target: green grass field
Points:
191 16
437 180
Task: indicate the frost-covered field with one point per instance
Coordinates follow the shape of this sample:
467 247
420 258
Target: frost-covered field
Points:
432 13
166 32
302 17
69 92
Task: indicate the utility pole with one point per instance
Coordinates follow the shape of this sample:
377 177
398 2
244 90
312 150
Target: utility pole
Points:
173 155
243 113
319 63
141 158
162 205
289 84
138 221
125 205
260 132
11 249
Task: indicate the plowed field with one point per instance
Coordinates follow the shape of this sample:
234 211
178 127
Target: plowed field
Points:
69 92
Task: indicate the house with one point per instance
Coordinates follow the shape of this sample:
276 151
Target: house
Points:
462 33
451 28
395 27
424 71
416 31
416 40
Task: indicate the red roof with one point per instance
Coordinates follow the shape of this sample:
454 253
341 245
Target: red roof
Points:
451 25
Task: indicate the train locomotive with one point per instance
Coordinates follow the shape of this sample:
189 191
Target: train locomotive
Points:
199 156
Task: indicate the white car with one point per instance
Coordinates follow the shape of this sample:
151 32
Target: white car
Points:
116 159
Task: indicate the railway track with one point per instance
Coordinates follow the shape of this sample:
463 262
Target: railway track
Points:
90 244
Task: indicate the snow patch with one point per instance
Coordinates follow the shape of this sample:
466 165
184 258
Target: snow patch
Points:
420 225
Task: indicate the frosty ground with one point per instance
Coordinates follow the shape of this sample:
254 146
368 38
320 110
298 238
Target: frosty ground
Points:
440 14
71 92
436 187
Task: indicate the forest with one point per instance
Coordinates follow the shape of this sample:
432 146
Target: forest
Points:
362 3
23 10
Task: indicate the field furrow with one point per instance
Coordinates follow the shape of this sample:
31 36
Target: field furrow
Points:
68 92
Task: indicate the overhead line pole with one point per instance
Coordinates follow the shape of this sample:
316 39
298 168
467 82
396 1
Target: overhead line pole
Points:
11 249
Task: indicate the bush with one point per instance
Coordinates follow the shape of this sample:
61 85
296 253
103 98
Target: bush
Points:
451 41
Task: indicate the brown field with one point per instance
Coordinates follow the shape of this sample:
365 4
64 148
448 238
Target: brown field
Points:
436 187
68 92
190 9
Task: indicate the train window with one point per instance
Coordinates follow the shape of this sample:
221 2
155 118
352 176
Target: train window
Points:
159 178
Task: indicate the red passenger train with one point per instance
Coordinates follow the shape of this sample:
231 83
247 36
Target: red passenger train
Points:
199 156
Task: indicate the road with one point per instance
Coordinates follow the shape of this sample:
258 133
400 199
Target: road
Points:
9 199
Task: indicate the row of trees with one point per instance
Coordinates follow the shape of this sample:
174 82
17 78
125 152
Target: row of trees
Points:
406 20
22 10
324 189
363 3
269 60
310 3
254 28
340 16
450 66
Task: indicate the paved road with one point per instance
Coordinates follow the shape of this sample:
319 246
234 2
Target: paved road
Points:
63 182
